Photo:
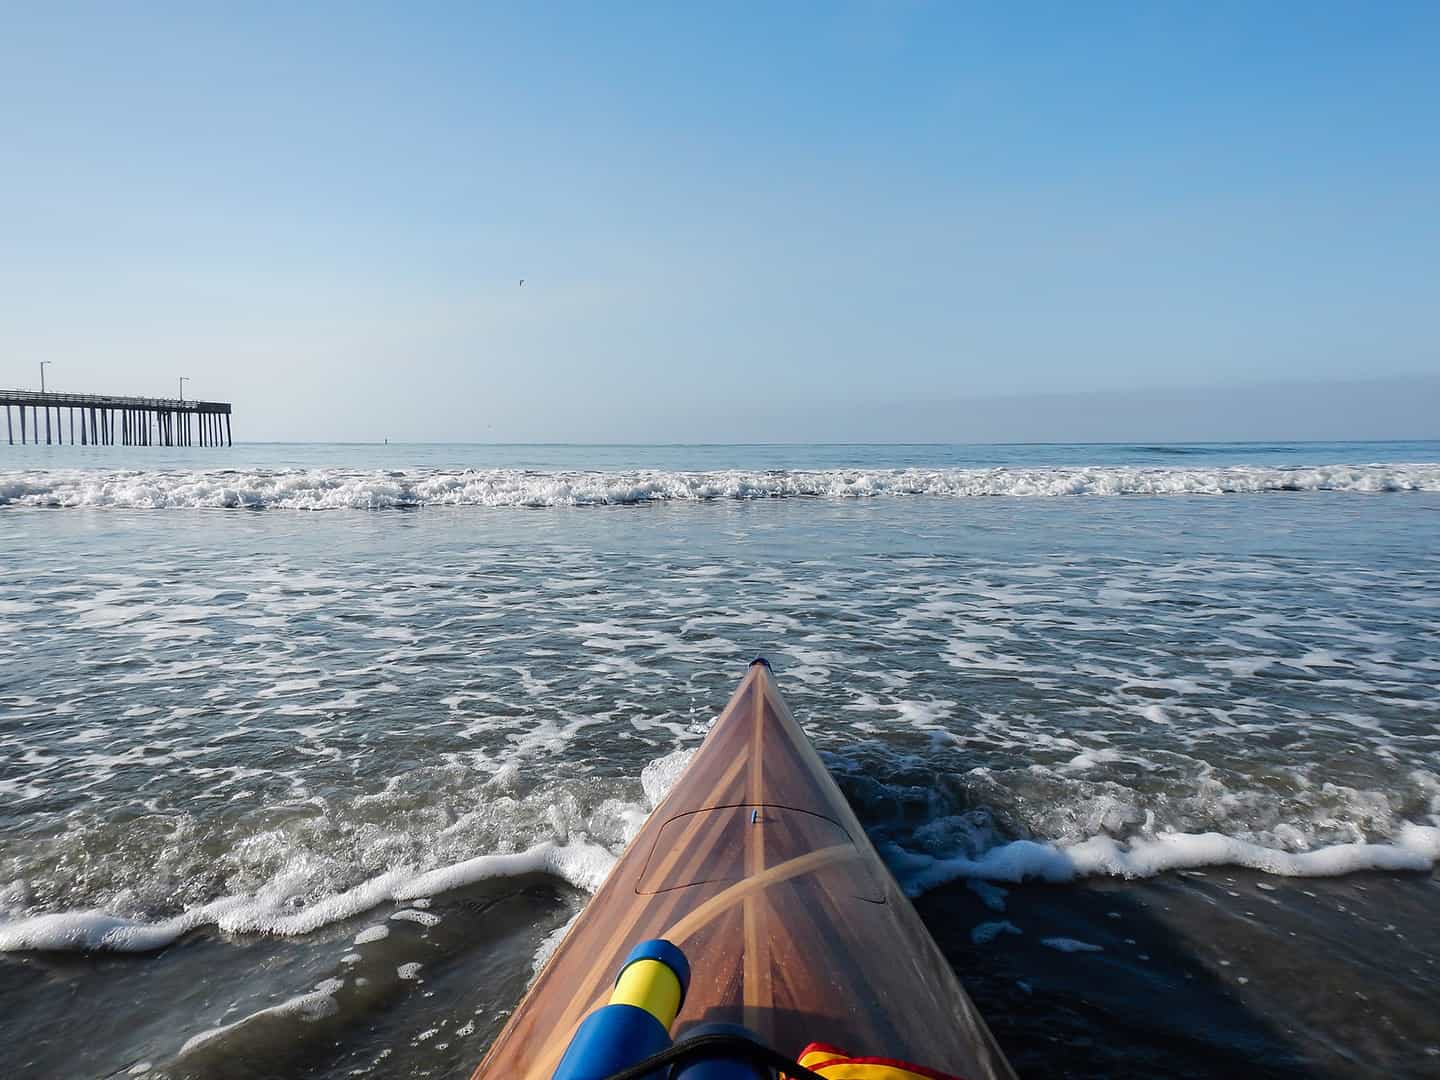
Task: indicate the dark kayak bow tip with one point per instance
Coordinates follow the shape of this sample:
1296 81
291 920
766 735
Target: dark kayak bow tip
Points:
760 660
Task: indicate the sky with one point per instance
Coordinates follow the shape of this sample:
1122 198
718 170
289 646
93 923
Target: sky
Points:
773 221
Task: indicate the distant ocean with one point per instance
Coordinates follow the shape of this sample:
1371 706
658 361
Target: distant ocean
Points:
1150 732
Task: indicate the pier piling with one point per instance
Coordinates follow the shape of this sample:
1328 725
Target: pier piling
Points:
106 420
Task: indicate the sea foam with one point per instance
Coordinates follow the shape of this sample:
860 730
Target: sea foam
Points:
341 489
1415 848
582 864
585 865
573 857
315 1005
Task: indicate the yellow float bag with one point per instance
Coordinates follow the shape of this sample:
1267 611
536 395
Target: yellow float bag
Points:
836 1064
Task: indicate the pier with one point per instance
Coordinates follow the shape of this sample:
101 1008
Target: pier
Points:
106 420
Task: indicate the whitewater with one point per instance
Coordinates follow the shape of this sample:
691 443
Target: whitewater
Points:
338 489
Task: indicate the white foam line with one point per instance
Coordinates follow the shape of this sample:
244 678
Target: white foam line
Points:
336 489
583 865
316 1005
550 943
1416 848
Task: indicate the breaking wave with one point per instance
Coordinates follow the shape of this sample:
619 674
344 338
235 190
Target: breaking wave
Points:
339 489
581 864
304 892
947 848
1415 849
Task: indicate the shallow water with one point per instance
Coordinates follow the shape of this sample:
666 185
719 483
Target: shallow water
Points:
232 744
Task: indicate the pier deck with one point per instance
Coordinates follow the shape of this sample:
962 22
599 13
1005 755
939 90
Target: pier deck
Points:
109 420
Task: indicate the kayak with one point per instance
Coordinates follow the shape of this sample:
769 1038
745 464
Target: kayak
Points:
756 869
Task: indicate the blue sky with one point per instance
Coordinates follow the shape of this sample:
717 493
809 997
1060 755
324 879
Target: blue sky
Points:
769 221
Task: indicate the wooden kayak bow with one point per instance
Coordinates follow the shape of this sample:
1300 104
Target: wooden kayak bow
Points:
756 867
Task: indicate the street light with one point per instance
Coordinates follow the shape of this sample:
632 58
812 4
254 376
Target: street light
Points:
183 380
42 373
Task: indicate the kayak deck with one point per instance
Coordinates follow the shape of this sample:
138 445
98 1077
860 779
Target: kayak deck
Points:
756 867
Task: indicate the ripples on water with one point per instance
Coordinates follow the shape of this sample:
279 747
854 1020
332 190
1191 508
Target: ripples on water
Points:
361 767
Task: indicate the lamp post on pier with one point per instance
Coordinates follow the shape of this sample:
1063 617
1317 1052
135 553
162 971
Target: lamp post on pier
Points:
43 364
183 380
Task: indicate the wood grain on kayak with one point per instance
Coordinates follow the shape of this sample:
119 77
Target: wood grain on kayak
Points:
756 867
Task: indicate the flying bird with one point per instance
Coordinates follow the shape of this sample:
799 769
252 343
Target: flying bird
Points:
522 281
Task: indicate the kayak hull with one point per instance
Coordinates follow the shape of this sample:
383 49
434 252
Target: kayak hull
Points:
756 867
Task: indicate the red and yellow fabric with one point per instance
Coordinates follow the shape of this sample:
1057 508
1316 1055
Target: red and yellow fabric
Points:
836 1064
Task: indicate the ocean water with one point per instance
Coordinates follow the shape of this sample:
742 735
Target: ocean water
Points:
1150 732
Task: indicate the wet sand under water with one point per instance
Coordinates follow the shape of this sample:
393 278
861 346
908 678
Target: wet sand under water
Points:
1197 974
433 993
1221 973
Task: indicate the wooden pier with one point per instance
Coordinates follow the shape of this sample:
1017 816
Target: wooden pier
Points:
104 420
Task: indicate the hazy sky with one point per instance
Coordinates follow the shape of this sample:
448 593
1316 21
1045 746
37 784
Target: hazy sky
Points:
774 221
